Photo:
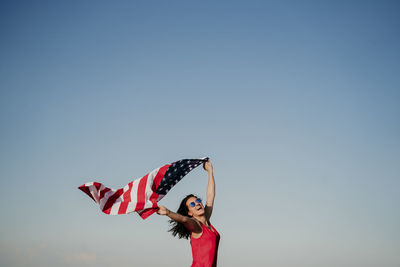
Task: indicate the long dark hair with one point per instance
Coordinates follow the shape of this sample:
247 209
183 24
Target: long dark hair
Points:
178 228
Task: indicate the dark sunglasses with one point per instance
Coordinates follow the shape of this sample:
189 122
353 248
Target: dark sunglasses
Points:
192 204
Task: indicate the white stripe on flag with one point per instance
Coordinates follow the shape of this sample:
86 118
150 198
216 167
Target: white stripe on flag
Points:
107 195
149 192
102 187
93 191
132 204
115 208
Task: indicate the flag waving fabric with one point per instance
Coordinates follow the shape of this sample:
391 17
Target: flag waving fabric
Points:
141 195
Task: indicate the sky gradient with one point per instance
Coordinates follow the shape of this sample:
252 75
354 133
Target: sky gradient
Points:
297 103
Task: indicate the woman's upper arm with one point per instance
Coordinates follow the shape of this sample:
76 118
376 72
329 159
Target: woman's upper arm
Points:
208 210
192 225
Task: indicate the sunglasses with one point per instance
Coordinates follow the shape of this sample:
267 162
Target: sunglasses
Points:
193 204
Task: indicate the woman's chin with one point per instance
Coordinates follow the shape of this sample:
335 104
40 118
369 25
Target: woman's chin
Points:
200 212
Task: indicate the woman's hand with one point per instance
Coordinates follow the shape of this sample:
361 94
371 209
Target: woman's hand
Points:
162 210
208 166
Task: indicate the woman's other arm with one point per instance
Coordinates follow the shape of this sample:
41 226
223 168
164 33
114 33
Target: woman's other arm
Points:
189 223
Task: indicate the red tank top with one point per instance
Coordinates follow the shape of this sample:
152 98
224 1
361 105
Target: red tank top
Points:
205 248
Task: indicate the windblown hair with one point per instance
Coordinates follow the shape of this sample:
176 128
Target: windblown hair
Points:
178 228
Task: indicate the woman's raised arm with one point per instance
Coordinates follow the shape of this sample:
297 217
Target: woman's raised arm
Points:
210 189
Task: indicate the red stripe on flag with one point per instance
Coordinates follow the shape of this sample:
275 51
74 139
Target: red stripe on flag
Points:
159 176
127 199
111 200
147 212
141 192
85 189
97 185
156 183
103 192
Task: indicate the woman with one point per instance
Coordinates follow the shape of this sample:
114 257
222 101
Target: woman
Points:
193 219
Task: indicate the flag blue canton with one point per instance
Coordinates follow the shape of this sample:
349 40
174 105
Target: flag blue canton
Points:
176 172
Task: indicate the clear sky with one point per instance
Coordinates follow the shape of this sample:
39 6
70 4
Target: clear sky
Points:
297 103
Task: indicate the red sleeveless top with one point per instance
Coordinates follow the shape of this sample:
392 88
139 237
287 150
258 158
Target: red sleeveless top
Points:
205 248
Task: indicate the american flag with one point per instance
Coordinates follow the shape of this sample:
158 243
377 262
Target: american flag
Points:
141 195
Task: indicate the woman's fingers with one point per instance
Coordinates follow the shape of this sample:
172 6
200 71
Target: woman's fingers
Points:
162 210
207 165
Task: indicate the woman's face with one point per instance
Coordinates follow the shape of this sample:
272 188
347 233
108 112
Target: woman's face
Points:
197 210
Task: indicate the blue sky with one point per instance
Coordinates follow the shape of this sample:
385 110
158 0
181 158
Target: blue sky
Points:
295 102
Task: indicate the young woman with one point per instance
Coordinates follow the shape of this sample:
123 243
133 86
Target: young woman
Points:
193 219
